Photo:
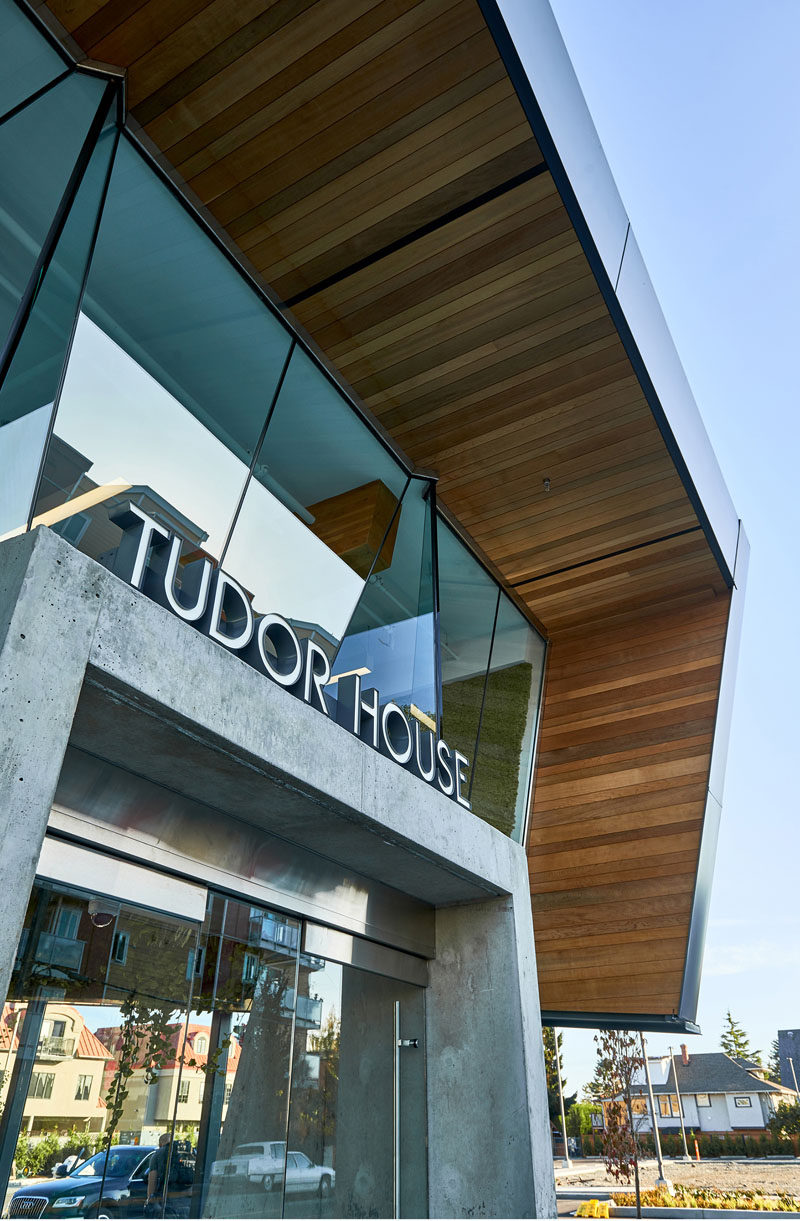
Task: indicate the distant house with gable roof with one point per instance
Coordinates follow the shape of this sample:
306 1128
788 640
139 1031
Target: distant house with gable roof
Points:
718 1093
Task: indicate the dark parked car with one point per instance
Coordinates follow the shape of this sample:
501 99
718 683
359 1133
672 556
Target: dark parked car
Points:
77 1194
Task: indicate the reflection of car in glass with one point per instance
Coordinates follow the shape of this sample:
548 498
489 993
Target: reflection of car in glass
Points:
259 1162
303 1176
77 1194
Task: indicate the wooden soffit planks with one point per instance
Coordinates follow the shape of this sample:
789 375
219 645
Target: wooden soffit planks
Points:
618 808
371 161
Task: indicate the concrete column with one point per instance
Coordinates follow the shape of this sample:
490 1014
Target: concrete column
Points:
488 1132
49 605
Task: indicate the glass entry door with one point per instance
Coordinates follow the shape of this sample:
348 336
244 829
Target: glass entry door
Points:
303 1050
155 1067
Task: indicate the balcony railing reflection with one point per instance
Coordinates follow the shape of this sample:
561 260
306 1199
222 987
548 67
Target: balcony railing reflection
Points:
66 952
309 1010
55 1047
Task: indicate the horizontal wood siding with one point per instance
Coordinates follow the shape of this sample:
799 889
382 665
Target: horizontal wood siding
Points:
620 791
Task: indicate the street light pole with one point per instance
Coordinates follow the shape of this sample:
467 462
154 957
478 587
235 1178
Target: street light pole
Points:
662 1180
680 1105
794 1075
567 1162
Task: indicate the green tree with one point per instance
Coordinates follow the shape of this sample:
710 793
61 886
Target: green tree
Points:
553 1047
593 1090
579 1118
734 1041
786 1120
774 1062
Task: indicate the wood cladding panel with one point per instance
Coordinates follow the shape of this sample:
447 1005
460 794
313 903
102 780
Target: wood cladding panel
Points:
627 725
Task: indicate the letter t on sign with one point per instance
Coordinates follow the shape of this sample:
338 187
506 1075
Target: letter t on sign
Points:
138 530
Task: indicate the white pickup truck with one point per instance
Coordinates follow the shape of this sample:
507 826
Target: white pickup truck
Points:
260 1162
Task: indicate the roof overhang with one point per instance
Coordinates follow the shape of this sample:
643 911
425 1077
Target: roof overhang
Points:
434 209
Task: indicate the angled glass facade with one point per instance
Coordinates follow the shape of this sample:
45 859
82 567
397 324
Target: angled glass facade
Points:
141 368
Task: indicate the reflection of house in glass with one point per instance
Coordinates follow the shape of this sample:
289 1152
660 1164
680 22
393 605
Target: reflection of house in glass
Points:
69 1067
179 1085
79 509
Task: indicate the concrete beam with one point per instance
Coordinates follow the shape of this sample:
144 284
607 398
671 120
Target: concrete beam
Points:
49 604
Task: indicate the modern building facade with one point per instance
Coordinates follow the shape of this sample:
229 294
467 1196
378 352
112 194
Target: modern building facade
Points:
369 592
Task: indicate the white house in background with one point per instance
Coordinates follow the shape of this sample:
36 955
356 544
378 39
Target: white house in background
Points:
719 1094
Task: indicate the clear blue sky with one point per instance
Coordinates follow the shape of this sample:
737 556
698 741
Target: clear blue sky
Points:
697 107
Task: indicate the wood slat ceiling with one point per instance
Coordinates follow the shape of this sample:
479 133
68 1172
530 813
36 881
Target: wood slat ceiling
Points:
618 804
371 161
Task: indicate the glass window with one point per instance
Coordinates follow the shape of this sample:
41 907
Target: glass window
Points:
83 1088
33 143
501 772
247 996
183 1091
390 639
41 1085
703 1100
467 609
27 60
119 948
743 1101
38 150
172 371
319 507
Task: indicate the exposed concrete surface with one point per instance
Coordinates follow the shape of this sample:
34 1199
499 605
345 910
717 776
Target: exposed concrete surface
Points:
49 604
489 1137
67 617
217 698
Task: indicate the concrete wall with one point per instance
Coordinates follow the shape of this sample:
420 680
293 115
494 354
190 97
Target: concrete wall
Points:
64 618
482 1010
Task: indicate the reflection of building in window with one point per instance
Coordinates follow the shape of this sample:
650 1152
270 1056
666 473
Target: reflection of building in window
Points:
119 948
66 1083
78 509
84 1087
152 1103
42 1085
250 967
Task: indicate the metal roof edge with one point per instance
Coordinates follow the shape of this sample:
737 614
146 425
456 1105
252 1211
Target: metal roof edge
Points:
529 42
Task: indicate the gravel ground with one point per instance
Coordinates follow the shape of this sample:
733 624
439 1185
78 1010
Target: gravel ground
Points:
756 1175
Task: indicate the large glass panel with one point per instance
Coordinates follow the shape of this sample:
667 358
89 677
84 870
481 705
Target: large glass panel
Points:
27 60
467 608
171 375
31 384
341 1149
95 1017
390 639
502 768
39 142
236 1077
38 150
319 507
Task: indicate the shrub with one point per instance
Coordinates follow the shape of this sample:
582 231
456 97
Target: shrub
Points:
685 1197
